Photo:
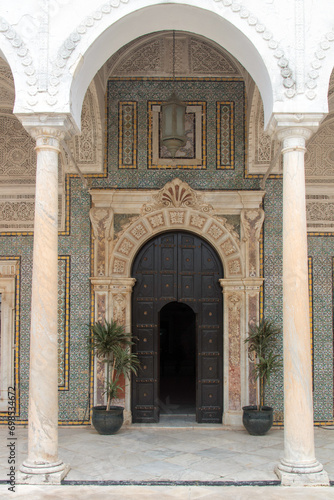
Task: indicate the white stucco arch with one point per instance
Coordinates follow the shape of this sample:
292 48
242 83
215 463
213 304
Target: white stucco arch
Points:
203 18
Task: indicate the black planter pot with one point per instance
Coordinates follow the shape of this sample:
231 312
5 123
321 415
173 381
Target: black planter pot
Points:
107 422
257 422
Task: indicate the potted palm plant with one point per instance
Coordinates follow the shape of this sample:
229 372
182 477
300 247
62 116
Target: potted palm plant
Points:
112 345
261 343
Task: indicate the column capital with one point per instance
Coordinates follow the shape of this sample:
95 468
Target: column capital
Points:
43 127
298 126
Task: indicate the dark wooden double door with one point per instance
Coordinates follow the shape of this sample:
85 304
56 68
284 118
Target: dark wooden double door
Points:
182 269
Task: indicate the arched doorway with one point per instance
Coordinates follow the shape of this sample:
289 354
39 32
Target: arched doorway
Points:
177 332
178 271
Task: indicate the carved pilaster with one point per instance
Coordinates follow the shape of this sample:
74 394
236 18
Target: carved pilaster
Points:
101 302
234 359
102 224
252 308
252 221
120 291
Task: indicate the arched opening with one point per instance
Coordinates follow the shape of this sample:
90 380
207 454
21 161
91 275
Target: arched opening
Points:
177 329
177 289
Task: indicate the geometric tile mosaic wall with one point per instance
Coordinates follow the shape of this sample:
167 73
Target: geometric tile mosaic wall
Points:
73 276
321 254
223 104
127 167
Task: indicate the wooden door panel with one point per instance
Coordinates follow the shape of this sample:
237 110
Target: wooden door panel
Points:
178 267
167 259
210 367
210 314
209 286
210 341
144 339
145 313
187 260
145 395
209 261
210 394
146 369
187 287
168 290
146 262
146 286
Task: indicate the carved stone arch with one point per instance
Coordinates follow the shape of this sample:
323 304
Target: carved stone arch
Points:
178 207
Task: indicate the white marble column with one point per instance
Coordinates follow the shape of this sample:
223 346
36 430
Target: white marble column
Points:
43 465
299 465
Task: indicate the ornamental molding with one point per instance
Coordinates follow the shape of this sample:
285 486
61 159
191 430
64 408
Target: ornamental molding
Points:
322 51
260 28
72 41
177 194
298 125
75 37
24 58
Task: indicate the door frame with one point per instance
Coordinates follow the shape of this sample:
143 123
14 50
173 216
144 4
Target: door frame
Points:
212 215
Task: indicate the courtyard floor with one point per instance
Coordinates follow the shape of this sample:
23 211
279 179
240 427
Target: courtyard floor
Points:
171 460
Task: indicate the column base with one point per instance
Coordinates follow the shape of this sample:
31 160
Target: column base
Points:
296 474
42 473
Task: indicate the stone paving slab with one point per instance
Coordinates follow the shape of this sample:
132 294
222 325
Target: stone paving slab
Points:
166 493
169 455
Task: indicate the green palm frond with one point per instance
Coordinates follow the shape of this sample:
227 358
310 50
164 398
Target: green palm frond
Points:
261 342
112 345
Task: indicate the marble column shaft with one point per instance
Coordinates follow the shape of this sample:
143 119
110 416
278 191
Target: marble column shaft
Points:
43 381
299 462
299 439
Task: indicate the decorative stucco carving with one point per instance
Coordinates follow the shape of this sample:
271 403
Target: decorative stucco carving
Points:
101 219
18 157
235 302
204 59
252 221
146 59
261 146
71 43
87 148
119 306
74 38
319 157
260 28
177 194
24 59
320 54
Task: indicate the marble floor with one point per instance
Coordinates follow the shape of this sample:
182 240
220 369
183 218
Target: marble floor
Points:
174 459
